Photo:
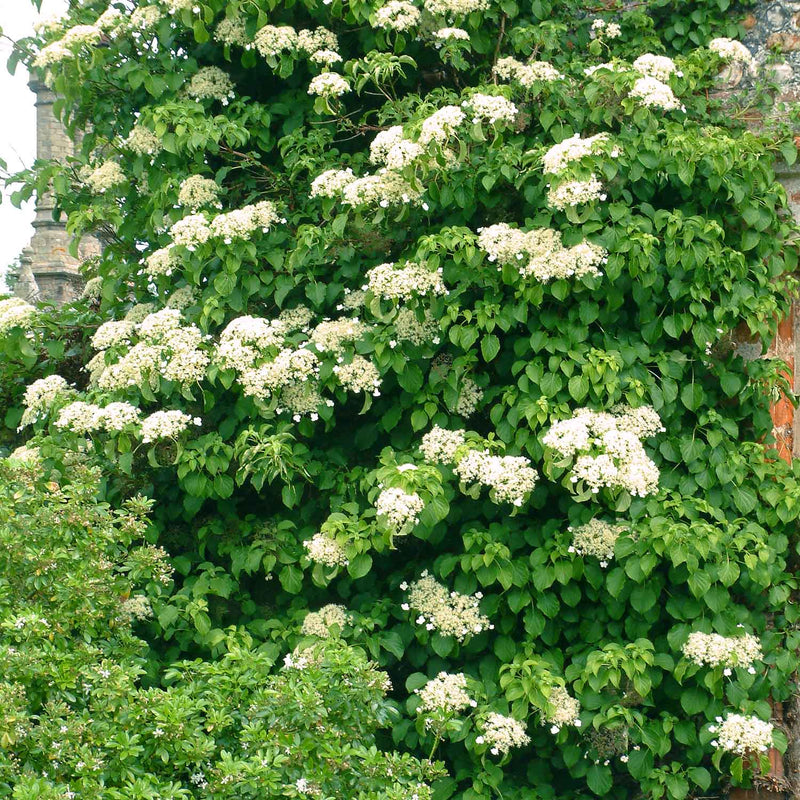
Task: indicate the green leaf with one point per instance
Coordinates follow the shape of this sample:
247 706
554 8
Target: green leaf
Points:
360 565
490 347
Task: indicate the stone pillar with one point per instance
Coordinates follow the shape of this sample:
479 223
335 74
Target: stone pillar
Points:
47 257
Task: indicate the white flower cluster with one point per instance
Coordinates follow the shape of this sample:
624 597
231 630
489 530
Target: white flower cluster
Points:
446 693
596 538
232 31
324 550
289 368
653 93
713 650
176 6
241 223
574 148
326 58
244 339
731 50
211 83
359 375
493 109
562 710
165 425
502 733
166 348
397 15
449 613
441 125
606 30
539 253
181 299
611 453
659 67
296 319
105 177
113 334
439 445
742 735
161 262
145 17
195 229
451 34
409 328
575 193
272 40
403 283
526 75
332 334
197 191
15 313
65 47
319 623
40 396
143 142
331 183
329 84
469 397
310 42
80 417
391 149
452 8
399 510
510 478
385 188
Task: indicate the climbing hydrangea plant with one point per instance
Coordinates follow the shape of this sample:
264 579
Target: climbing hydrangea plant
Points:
429 326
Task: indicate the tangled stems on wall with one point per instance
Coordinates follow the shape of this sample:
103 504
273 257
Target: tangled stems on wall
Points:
430 327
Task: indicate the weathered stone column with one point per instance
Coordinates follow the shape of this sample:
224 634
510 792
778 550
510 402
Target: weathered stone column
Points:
47 256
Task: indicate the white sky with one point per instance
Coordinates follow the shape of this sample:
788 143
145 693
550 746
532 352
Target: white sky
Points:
17 122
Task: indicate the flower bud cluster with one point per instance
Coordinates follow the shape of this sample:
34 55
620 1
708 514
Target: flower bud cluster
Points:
653 93
659 67
40 396
596 538
539 253
469 397
439 446
510 478
447 693
359 375
562 710
399 510
492 109
211 83
527 75
319 623
332 334
731 50
455 8
575 192
403 283
166 348
450 34
197 191
161 262
242 222
611 453
441 125
742 735
397 15
713 650
574 148
232 31
331 183
143 142
324 550
165 425
605 30
108 175
329 84
449 613
385 188
502 733
272 40
15 313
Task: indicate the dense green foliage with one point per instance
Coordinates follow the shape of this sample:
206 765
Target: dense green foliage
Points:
699 266
77 719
